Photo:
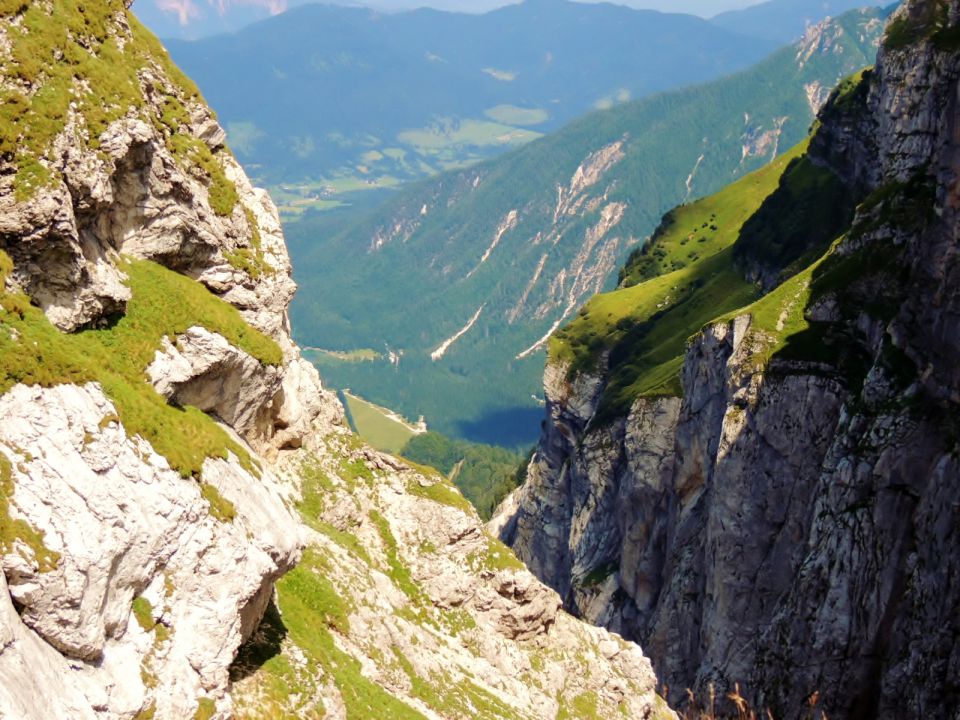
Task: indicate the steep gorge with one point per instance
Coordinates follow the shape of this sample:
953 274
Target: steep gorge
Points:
773 502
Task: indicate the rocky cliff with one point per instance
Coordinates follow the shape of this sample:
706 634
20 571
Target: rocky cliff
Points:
778 506
167 458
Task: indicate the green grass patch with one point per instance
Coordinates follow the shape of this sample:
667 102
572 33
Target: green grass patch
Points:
701 229
148 713
376 425
513 115
349 356
927 21
311 623
851 91
282 688
164 303
870 279
453 699
250 260
582 707
206 709
143 612
220 508
458 621
781 329
451 133
670 289
191 151
353 471
315 485
810 208
167 303
441 492
494 557
397 571
344 539
904 205
428 471
309 582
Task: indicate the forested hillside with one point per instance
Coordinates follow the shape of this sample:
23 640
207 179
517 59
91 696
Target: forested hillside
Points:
327 103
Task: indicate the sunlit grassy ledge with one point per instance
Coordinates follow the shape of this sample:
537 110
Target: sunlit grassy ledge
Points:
163 304
683 278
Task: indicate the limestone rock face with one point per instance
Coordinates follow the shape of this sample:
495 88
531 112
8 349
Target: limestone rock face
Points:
790 525
204 370
36 668
132 195
125 526
128 588
438 614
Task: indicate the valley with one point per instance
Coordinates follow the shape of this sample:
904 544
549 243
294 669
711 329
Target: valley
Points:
502 254
352 101
381 427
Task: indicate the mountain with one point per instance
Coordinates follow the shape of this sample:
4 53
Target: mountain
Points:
784 20
458 281
189 20
187 529
750 458
324 103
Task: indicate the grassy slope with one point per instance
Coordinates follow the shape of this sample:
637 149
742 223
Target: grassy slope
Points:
315 614
84 59
51 49
786 219
164 303
479 391
682 279
375 426
869 281
931 21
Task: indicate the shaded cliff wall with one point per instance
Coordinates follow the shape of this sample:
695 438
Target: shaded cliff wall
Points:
790 523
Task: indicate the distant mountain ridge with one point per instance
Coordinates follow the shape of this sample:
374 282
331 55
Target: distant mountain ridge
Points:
785 20
460 280
335 99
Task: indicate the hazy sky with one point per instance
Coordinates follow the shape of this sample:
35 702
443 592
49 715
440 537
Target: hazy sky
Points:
186 10
699 7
